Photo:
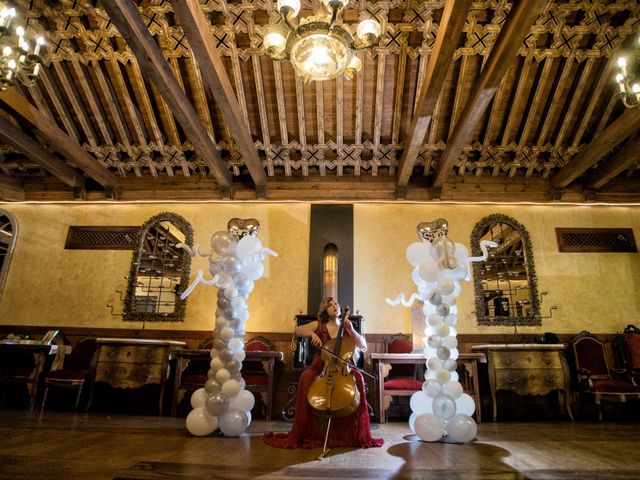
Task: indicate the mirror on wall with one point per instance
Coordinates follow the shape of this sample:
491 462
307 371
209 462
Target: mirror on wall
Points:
506 287
159 270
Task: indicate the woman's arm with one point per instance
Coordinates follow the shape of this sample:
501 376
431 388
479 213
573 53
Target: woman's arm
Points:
358 340
309 330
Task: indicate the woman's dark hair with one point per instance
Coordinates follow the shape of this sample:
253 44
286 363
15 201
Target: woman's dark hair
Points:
323 316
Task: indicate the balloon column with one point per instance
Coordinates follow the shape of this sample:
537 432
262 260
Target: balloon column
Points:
236 261
440 409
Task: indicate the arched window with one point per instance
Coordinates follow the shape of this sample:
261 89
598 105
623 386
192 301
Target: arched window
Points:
8 233
330 271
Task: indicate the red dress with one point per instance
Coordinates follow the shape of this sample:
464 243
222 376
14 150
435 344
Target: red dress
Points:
309 426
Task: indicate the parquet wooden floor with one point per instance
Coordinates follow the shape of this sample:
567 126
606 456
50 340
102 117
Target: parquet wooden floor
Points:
59 445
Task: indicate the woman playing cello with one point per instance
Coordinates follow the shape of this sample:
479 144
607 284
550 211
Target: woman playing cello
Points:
309 425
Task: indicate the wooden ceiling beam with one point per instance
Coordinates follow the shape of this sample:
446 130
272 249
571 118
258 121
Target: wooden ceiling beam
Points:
612 136
11 189
25 144
449 31
503 54
621 161
18 106
125 16
198 31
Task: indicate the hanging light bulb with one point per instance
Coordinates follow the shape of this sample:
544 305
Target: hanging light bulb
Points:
629 89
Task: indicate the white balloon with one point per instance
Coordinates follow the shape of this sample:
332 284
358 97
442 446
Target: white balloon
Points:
449 341
465 404
412 421
216 364
248 245
223 375
238 303
444 406
449 365
226 334
450 319
417 279
254 271
230 292
432 388
417 253
201 424
445 287
443 376
419 402
198 398
429 427
231 388
434 341
244 401
461 428
240 355
223 243
453 389
454 354
428 271
236 344
443 330
434 363
234 423
434 319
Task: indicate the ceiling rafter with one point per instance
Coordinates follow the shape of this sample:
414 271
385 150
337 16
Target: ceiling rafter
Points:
130 25
626 158
516 28
57 139
449 31
623 127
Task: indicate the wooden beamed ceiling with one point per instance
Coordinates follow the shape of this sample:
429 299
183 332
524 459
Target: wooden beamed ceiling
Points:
459 101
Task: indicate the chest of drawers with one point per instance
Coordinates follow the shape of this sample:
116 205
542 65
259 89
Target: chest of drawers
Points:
527 369
132 363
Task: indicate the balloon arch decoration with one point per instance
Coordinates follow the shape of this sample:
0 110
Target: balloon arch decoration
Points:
235 262
440 411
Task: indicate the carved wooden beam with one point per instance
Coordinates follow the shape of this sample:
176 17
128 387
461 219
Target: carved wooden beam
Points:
57 139
612 136
449 31
622 160
198 31
11 189
13 135
125 16
512 35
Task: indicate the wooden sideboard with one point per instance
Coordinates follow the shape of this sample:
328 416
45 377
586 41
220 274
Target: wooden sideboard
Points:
527 369
132 363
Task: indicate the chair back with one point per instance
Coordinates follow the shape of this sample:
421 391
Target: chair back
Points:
401 345
82 354
590 355
632 347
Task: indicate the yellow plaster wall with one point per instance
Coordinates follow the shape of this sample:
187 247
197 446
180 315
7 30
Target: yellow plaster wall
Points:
599 292
48 285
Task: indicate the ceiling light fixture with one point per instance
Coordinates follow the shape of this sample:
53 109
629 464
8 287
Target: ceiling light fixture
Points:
318 48
629 87
19 60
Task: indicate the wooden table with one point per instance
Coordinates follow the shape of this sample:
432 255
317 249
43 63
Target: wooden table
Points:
527 369
381 361
184 356
132 363
33 376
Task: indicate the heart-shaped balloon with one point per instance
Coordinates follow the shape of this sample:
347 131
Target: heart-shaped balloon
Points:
241 227
429 231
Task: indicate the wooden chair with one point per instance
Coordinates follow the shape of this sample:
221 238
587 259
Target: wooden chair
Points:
594 378
259 371
402 379
76 370
631 351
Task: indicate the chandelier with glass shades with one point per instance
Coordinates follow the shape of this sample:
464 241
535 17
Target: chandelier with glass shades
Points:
628 83
19 59
318 48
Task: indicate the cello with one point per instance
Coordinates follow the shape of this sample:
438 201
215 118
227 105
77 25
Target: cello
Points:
335 391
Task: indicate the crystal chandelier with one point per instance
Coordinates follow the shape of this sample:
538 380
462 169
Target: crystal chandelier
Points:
19 60
629 87
318 48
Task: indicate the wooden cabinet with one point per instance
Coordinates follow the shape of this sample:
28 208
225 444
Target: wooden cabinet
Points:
527 369
132 363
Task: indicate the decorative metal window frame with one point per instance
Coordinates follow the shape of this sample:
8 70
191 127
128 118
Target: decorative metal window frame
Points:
130 313
533 319
626 232
7 262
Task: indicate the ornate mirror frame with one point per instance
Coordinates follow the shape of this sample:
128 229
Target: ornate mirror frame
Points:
130 313
533 316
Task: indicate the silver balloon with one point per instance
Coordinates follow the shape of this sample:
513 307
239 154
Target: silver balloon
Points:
429 231
234 423
212 385
226 354
239 227
444 406
233 365
216 404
